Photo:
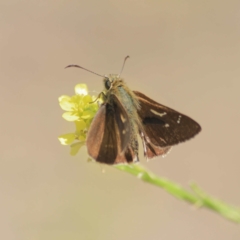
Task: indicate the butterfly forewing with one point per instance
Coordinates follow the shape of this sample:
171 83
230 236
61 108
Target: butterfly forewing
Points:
164 126
109 133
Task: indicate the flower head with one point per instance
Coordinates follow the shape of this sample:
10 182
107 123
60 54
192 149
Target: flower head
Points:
80 109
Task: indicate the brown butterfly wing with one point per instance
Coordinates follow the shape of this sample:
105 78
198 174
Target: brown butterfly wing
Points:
151 150
109 133
164 126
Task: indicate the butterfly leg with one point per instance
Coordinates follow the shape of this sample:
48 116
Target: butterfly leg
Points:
99 96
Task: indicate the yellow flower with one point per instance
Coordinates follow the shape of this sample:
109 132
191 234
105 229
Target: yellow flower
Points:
80 109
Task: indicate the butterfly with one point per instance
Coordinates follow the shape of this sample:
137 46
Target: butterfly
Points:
125 114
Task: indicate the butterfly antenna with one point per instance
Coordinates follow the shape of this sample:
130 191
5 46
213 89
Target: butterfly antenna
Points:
77 66
125 59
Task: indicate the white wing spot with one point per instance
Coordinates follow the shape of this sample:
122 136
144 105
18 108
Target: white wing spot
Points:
162 139
166 125
123 131
123 118
109 146
179 119
158 113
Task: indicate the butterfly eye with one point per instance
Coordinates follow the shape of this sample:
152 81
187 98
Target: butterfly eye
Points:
107 84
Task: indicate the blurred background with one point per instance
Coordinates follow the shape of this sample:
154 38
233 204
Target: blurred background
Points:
184 54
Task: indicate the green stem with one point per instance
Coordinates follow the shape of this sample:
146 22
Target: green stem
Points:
198 197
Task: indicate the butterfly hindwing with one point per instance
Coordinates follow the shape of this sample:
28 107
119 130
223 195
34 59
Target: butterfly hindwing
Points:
164 126
150 150
109 133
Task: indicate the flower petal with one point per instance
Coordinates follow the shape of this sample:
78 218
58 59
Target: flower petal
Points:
66 139
82 137
87 114
87 99
70 116
80 125
63 97
81 89
65 103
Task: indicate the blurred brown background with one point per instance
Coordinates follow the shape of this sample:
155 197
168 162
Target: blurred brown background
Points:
184 54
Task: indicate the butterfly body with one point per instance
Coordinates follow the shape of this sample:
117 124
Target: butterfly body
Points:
125 114
117 92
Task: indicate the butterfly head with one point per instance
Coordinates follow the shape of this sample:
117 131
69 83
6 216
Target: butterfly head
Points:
109 80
